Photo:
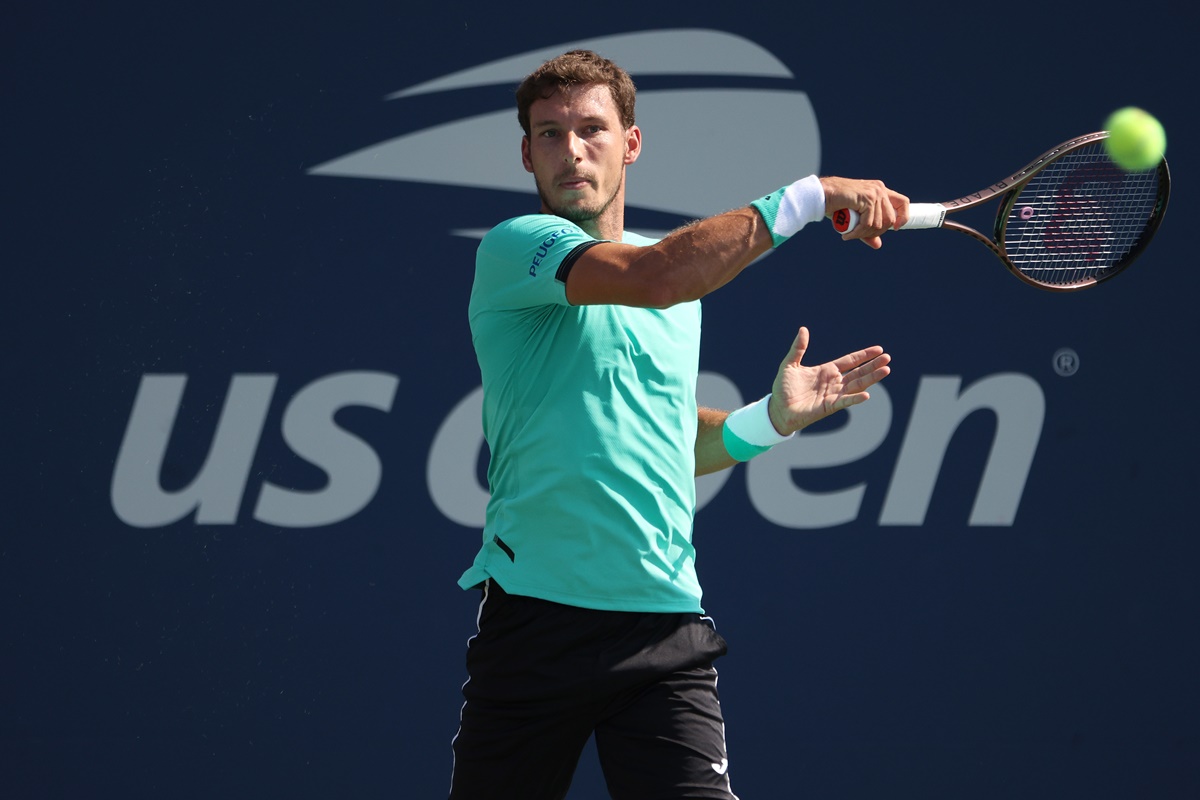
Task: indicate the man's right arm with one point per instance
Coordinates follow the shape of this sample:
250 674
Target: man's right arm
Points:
703 256
686 265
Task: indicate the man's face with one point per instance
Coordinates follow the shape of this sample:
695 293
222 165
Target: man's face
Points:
577 150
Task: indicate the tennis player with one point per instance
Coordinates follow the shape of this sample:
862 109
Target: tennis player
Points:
588 340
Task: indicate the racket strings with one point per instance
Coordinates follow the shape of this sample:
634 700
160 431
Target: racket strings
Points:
1078 217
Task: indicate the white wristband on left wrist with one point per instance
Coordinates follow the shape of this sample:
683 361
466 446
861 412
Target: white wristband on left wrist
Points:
749 431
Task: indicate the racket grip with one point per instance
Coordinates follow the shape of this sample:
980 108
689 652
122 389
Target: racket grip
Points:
920 215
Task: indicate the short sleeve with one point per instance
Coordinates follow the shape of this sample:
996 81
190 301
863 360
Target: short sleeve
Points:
520 262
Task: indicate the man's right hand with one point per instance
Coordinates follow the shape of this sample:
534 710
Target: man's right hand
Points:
879 208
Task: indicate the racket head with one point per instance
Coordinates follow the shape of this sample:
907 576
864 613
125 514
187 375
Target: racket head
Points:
1078 219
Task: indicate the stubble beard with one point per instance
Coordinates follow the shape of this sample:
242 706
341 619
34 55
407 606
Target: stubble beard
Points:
575 213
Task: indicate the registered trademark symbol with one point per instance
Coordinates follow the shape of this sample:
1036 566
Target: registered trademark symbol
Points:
1066 362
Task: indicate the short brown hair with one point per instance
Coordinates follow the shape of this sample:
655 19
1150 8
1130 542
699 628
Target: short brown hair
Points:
576 68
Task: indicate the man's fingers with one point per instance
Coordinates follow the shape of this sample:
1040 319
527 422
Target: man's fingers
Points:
866 380
867 374
900 203
799 345
852 400
880 210
860 357
874 242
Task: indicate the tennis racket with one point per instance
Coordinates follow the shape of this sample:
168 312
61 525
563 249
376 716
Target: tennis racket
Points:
1069 220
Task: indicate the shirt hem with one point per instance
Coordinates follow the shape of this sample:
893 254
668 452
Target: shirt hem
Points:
475 576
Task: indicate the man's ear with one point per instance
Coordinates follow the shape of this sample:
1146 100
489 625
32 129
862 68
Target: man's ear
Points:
633 144
526 161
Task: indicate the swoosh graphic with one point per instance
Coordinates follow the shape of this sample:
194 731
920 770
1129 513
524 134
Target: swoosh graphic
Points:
688 51
694 162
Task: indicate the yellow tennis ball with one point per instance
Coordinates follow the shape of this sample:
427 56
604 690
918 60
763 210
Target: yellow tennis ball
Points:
1136 140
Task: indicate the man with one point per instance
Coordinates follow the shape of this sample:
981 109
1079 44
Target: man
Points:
588 343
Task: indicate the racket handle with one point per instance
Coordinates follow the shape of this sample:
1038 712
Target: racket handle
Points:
920 215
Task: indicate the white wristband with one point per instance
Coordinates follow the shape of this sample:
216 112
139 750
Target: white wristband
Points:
749 431
792 207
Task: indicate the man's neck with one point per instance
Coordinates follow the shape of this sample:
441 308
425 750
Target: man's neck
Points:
609 225
610 229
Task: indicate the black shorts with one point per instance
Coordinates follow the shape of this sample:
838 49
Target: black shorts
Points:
543 677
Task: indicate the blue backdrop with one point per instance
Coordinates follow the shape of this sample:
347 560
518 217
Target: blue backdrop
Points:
243 465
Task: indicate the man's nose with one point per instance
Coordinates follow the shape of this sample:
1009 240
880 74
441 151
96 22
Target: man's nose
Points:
573 152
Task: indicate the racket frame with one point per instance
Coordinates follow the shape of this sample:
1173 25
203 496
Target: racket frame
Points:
1009 190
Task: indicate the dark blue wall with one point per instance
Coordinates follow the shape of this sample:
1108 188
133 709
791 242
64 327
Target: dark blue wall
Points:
162 218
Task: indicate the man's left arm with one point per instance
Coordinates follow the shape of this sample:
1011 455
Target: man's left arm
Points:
711 455
800 396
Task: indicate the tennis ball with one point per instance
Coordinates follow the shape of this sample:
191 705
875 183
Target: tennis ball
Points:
1136 140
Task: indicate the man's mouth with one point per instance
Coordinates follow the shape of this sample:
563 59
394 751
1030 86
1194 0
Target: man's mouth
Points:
575 182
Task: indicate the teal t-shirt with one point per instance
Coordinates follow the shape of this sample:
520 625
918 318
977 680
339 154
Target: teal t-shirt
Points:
590 416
